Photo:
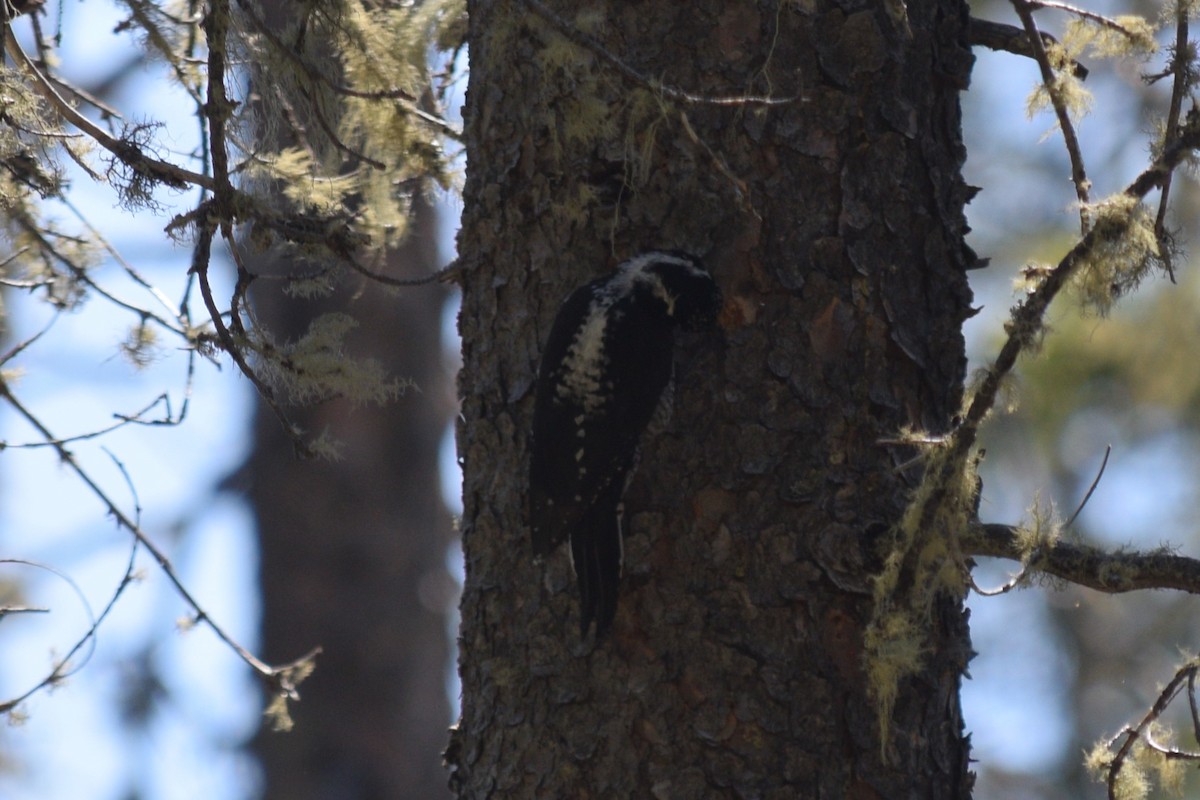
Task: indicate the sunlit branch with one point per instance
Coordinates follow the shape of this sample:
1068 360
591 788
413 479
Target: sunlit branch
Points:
1083 13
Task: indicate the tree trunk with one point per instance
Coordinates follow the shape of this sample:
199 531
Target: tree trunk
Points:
353 556
834 225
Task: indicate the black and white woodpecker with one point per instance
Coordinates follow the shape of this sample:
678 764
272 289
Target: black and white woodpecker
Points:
606 373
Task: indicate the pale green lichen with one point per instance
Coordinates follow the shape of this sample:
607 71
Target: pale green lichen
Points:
922 564
315 367
896 648
1070 90
371 146
1124 252
1123 36
142 345
1143 768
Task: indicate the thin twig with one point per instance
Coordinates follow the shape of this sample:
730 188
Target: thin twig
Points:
446 274
588 43
1027 318
1031 559
123 520
21 346
106 111
89 637
129 269
1092 488
80 274
1132 734
60 669
138 417
128 153
1180 66
333 137
1024 9
1083 13
741 189
1004 588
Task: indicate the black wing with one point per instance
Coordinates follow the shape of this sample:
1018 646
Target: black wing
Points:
581 456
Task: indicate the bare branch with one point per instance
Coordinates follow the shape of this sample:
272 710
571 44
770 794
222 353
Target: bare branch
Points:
5 610
80 274
182 317
21 346
63 668
1091 489
136 418
1011 39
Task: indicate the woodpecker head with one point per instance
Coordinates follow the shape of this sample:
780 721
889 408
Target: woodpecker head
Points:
689 296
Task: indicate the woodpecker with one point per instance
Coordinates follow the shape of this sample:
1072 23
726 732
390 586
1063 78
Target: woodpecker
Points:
606 374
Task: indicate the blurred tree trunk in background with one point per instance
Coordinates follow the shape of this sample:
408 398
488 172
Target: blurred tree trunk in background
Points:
353 555
353 550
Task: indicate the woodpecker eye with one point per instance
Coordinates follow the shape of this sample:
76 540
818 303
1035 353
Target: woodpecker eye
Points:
606 373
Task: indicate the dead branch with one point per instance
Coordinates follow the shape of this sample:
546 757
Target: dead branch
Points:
1112 572
1011 39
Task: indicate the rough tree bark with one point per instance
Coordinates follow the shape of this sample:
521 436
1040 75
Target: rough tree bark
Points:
834 224
353 556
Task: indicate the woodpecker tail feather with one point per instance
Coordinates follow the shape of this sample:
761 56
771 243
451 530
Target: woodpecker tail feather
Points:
596 554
